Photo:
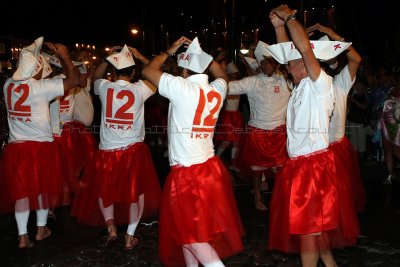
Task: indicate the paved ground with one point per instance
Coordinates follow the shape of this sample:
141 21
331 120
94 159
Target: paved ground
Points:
72 244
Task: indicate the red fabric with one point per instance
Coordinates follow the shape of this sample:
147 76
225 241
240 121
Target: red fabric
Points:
119 177
198 205
230 126
346 159
29 169
263 148
76 145
306 199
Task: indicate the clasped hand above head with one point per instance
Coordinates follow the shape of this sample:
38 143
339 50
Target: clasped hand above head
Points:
178 43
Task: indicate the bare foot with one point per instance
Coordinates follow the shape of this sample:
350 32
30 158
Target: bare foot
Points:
24 241
42 233
130 242
112 233
260 205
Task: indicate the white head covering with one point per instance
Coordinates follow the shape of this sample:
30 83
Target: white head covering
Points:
324 38
252 63
30 62
194 59
46 67
323 50
52 60
261 51
123 59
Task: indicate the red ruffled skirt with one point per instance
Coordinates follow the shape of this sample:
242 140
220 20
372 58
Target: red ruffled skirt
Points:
198 205
119 177
306 200
76 145
230 126
347 167
263 148
30 169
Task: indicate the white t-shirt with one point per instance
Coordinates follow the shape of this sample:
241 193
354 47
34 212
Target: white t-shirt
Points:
67 107
342 84
268 98
193 112
122 112
28 108
309 109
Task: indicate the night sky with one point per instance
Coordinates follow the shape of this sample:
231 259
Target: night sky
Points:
370 25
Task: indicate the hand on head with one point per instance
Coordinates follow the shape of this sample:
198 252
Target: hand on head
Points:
60 49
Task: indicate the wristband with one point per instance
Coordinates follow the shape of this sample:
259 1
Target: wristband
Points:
289 18
168 53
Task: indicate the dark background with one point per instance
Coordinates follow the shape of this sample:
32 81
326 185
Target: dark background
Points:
372 26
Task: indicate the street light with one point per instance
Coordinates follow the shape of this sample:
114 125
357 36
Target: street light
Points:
134 31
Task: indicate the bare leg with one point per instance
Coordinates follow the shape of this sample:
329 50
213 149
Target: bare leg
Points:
205 254
325 251
190 259
257 191
309 248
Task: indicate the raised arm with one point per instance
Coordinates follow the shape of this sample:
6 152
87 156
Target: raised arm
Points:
279 26
102 67
72 78
139 56
152 71
353 57
300 40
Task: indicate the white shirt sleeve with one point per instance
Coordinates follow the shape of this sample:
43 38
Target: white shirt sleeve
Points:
169 84
242 86
343 81
145 91
322 86
99 83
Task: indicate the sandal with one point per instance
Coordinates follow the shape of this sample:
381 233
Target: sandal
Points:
46 233
130 242
26 243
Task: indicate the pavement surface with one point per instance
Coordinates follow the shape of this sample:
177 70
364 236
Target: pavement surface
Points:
73 244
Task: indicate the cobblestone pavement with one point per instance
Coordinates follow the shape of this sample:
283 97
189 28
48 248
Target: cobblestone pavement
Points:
72 244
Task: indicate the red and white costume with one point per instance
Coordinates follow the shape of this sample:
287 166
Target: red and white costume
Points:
75 141
30 168
346 157
230 121
305 198
123 168
264 142
198 204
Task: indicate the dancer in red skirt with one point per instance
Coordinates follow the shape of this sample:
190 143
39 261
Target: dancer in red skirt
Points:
263 145
346 157
31 179
76 143
122 183
305 207
199 220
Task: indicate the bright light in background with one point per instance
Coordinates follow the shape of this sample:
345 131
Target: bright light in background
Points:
107 49
244 51
134 31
